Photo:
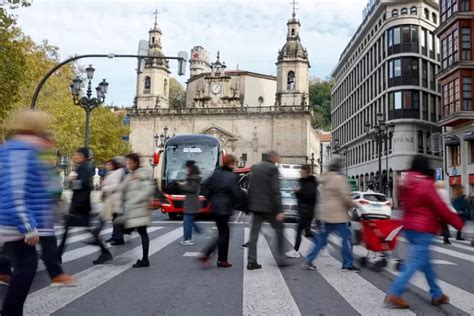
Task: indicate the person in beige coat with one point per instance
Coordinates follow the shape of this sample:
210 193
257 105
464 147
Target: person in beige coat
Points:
333 213
137 192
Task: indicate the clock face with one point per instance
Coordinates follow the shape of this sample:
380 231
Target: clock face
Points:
215 88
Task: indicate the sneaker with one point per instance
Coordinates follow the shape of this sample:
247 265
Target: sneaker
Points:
103 258
440 301
141 264
253 266
243 246
293 254
393 301
63 280
187 242
460 238
5 279
309 266
352 268
224 264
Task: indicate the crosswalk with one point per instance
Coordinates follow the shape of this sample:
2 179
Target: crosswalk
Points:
268 291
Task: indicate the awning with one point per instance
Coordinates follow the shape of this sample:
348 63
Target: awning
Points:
456 180
451 140
468 136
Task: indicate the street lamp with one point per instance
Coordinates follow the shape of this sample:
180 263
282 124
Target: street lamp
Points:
160 140
380 133
87 102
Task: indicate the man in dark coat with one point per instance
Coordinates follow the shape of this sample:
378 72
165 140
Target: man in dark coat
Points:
79 213
224 193
306 194
264 201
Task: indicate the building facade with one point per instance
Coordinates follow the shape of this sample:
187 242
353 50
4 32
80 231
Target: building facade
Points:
456 33
389 67
250 113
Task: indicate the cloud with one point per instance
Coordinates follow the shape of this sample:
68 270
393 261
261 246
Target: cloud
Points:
247 33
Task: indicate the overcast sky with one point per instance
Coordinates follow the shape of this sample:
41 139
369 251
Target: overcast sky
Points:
247 33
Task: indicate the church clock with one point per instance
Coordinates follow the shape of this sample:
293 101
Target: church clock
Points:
215 88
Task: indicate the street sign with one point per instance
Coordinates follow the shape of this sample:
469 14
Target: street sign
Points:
439 174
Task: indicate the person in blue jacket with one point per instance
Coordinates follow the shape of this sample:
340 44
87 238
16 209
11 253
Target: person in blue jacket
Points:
24 203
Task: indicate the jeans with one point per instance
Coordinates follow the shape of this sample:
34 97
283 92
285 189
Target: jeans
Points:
304 224
25 263
49 250
222 241
257 222
320 241
419 258
188 225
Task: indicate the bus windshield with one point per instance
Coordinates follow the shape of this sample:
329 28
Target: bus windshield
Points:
205 155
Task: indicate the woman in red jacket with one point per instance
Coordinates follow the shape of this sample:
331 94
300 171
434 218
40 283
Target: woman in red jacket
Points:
423 208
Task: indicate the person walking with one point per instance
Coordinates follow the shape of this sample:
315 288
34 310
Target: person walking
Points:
336 202
192 188
422 209
79 213
112 197
443 193
25 203
137 192
461 206
224 194
264 201
306 194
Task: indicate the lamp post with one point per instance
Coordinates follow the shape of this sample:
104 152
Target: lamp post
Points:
380 133
87 102
312 163
160 140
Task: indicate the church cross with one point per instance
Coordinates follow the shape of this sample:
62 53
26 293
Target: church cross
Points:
156 17
294 3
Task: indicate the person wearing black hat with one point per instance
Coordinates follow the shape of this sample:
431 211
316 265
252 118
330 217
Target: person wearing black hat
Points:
79 213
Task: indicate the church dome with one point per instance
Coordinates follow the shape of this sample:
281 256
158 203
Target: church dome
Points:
292 49
156 52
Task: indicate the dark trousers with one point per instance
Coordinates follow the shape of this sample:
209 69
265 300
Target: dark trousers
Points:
70 221
258 220
25 263
49 255
304 224
445 231
222 241
142 231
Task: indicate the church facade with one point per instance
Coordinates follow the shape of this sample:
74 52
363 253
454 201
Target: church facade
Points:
249 113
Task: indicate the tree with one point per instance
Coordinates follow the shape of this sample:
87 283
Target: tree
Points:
177 97
320 100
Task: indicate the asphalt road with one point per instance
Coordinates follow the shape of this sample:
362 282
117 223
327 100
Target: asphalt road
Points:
176 285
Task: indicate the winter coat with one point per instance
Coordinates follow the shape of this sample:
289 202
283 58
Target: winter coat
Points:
26 202
112 194
137 191
443 193
336 199
461 206
264 194
422 206
224 191
192 188
307 196
81 190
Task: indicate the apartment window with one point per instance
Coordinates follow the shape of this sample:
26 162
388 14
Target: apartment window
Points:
434 17
421 148
466 43
413 10
394 12
448 8
450 47
427 14
451 97
432 77
467 93
428 151
425 106
403 39
424 73
403 71
423 40
465 5
404 104
455 153
404 11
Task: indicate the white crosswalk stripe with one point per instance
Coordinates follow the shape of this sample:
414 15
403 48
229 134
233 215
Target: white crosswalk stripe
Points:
450 252
348 284
48 300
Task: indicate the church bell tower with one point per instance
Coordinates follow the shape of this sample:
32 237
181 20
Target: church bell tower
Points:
153 78
292 68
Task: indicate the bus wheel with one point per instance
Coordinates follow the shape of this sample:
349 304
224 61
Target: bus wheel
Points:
173 216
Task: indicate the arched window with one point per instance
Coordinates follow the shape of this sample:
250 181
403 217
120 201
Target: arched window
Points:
153 40
165 88
434 17
420 142
404 11
427 14
394 12
291 82
147 85
413 10
292 32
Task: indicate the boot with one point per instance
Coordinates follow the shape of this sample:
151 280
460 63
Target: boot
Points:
396 302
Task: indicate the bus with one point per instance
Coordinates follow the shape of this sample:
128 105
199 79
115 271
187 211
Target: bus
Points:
204 150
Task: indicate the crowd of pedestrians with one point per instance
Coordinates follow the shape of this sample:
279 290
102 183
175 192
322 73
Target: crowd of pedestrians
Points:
29 191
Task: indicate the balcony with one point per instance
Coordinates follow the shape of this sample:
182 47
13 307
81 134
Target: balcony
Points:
454 115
